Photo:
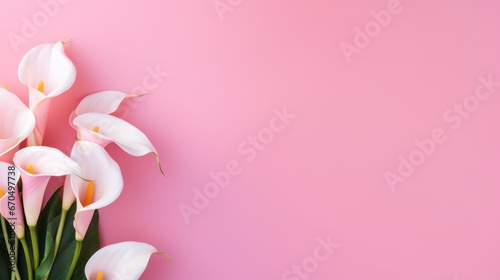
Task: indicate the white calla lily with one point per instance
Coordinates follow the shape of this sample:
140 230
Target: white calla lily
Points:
47 72
103 129
104 102
48 64
121 261
103 188
16 123
37 164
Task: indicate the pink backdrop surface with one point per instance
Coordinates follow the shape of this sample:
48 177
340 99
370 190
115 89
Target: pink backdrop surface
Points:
362 137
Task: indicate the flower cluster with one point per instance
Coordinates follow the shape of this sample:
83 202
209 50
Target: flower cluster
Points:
63 239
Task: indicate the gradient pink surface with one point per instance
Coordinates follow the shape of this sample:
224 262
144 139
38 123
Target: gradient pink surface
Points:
323 174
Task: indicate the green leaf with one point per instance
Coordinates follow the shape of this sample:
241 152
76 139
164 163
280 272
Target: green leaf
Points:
48 223
46 230
46 264
91 243
48 220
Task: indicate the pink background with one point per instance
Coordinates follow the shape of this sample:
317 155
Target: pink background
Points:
323 174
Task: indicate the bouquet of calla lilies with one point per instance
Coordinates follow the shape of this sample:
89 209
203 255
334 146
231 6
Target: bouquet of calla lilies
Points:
60 240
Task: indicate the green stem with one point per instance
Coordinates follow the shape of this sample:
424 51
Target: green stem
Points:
6 239
5 231
5 234
78 248
34 244
28 258
16 274
60 229
16 270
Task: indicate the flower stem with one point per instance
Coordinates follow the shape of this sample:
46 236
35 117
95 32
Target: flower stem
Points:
15 274
5 233
78 248
6 238
28 258
34 244
60 229
18 277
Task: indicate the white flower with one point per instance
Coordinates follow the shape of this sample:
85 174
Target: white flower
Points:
16 122
104 186
47 72
120 261
104 102
37 164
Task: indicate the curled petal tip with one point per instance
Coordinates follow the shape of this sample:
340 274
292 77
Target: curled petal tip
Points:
135 95
159 165
166 255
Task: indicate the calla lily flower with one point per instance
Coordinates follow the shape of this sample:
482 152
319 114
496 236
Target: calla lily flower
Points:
93 123
16 123
104 102
37 164
47 72
120 261
104 129
104 186
10 202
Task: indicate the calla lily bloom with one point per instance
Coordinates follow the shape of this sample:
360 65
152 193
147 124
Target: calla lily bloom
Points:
16 123
104 186
93 123
37 164
104 102
120 261
10 202
47 72
104 129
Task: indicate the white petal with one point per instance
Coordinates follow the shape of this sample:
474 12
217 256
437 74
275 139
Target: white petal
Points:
46 161
16 121
97 166
125 135
106 176
104 102
33 192
47 63
120 261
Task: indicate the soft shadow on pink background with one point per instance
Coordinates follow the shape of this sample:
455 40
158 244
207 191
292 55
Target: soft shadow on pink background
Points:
320 177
